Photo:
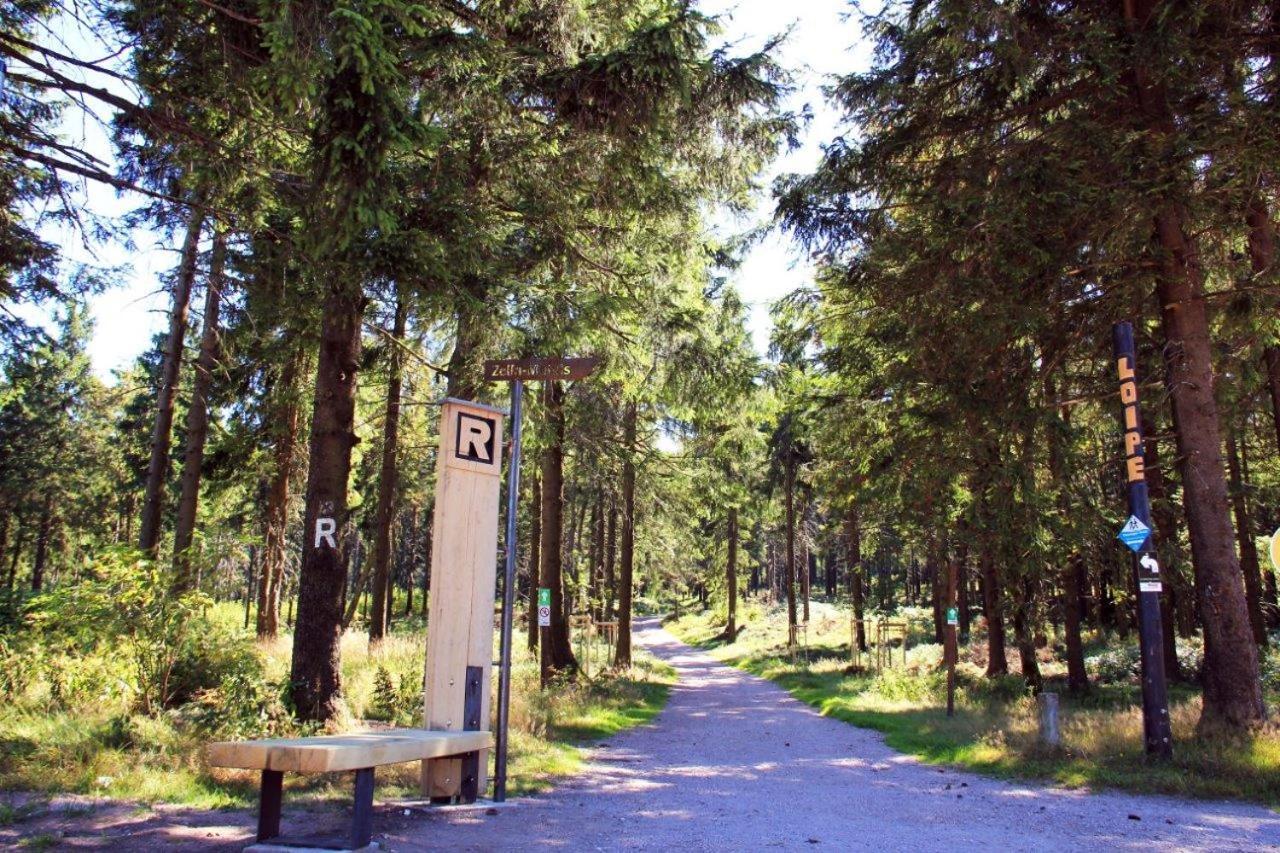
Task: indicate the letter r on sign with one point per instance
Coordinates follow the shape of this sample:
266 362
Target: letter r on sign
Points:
475 440
325 530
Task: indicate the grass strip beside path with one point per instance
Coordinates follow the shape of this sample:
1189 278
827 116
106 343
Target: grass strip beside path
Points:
994 730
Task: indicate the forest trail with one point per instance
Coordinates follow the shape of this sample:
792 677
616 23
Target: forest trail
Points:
734 762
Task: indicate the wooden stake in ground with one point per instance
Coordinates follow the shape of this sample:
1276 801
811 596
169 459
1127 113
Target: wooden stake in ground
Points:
463 572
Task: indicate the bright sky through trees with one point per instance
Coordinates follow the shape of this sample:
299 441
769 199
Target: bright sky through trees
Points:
822 41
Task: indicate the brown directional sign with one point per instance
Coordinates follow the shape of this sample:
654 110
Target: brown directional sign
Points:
527 369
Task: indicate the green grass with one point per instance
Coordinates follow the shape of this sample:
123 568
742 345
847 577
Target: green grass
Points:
994 730
101 747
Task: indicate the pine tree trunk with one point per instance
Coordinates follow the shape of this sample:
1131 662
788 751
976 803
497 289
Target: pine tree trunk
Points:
535 555
962 589
1249 565
380 611
610 562
1232 687
42 544
427 544
315 675
276 518
1167 547
853 537
557 653
626 557
1022 633
731 576
474 329
790 573
198 419
595 587
162 429
992 609
933 563
410 546
1074 579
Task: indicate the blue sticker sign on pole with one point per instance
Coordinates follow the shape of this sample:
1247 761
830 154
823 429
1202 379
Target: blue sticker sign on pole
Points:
1134 533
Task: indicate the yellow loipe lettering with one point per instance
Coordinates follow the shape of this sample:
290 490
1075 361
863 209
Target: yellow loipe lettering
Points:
1130 417
1132 441
1136 469
1128 393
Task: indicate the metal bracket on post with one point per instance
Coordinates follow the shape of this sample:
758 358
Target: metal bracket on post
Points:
472 695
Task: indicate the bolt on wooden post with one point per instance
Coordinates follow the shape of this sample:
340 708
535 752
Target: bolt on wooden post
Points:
463 575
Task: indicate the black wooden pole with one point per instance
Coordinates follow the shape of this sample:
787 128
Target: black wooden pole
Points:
1155 700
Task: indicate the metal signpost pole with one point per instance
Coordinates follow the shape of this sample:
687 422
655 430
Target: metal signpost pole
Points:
508 596
1136 534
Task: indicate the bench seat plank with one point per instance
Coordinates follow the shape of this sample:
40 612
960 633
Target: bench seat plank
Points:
334 753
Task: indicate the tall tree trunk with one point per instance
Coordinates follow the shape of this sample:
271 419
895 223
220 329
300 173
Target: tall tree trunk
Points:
853 537
596 585
626 556
474 330
992 608
557 653
1023 637
933 562
198 418
731 576
315 674
380 612
535 555
1249 565
1167 547
610 561
1232 687
162 429
410 548
790 576
962 586
1077 676
427 543
276 519
42 544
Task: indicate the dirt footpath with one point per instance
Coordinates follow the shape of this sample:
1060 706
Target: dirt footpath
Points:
735 763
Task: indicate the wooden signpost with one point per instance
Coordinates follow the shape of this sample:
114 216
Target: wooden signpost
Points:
517 372
1136 534
465 538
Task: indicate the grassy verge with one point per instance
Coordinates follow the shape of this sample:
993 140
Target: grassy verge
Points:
99 746
994 730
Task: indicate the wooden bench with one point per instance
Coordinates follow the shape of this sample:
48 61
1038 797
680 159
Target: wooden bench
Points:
359 753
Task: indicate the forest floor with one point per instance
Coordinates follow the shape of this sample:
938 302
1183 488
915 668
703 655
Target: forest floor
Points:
735 762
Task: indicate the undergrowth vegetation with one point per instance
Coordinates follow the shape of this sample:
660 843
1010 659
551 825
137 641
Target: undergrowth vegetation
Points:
995 727
110 689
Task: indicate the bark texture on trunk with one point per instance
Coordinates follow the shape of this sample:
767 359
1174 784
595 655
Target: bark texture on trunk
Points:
162 428
276 519
1074 581
853 537
1023 637
1166 547
790 573
992 609
198 418
1232 689
380 611
1249 565
42 544
535 558
315 675
626 557
731 576
557 653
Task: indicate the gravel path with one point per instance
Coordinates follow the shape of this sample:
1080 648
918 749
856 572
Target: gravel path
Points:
734 762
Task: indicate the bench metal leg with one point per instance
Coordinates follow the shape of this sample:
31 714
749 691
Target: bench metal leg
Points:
269 800
362 818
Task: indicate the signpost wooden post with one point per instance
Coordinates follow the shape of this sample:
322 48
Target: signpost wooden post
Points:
517 371
1136 534
464 540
